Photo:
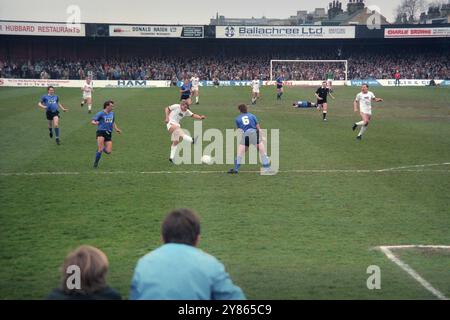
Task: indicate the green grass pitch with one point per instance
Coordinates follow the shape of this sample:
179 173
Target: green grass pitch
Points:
297 235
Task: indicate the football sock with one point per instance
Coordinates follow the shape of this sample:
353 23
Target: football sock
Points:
173 149
57 132
363 129
359 123
187 138
196 99
51 130
104 150
97 156
89 107
324 114
237 163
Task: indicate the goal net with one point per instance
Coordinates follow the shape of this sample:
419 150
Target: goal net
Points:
309 70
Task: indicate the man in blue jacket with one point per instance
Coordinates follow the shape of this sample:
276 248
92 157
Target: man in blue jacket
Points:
178 270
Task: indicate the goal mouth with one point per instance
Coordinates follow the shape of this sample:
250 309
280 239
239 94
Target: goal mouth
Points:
309 72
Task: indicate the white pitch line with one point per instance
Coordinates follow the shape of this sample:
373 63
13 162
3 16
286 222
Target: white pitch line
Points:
419 246
19 174
395 169
386 250
416 166
186 172
44 173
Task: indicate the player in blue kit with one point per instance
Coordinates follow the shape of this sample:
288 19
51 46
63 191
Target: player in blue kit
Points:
279 84
50 103
251 130
105 122
185 91
304 104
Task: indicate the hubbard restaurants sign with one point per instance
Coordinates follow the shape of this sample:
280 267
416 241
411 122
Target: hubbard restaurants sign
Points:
285 32
42 29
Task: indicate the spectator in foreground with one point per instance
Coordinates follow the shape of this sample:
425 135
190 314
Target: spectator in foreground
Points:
91 284
178 270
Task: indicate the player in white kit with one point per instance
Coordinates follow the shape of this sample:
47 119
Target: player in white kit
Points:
195 87
363 100
174 114
87 90
255 90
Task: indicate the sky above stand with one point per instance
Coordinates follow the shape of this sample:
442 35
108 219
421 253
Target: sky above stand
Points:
165 12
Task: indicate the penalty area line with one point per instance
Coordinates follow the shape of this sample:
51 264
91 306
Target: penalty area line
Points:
30 174
405 267
415 166
412 168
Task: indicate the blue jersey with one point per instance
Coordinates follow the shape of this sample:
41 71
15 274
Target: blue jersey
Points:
246 121
106 121
303 104
188 88
51 102
280 81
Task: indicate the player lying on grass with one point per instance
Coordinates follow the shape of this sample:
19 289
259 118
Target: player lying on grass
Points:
304 104
174 114
105 122
364 101
251 134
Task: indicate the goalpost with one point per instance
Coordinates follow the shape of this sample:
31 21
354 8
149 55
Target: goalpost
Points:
339 69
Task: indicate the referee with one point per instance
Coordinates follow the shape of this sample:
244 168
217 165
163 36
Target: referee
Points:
322 94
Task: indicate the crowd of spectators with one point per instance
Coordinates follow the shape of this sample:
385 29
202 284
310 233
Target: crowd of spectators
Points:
361 65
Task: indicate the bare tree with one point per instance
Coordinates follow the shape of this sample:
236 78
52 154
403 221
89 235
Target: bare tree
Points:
401 16
438 3
411 8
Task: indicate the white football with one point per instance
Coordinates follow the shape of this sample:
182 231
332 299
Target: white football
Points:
207 159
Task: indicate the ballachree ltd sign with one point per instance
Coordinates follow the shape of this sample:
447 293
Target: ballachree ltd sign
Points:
285 32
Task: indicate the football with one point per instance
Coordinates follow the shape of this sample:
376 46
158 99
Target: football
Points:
207 159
